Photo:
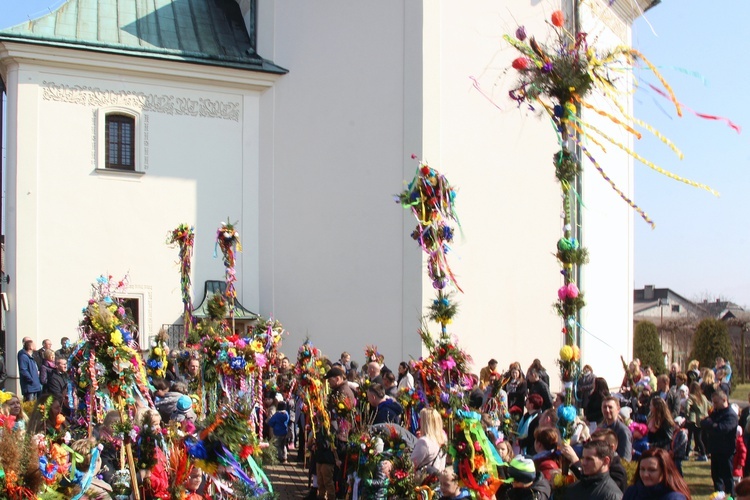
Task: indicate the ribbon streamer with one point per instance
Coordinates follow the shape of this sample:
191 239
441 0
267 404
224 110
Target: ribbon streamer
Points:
729 122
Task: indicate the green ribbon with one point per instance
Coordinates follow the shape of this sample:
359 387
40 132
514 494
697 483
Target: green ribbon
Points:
258 472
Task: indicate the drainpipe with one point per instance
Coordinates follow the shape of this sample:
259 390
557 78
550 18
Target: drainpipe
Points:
2 236
578 227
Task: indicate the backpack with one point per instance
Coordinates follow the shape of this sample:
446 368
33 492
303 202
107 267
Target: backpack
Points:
679 448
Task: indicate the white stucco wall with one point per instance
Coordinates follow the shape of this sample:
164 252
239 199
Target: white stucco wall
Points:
374 105
68 222
607 219
345 120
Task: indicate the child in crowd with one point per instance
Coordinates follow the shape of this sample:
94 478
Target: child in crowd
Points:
680 444
376 488
740 452
449 488
183 412
640 438
683 393
194 484
279 424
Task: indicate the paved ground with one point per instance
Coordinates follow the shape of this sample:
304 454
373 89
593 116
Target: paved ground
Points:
288 480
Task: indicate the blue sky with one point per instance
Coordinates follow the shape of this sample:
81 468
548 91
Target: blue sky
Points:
701 246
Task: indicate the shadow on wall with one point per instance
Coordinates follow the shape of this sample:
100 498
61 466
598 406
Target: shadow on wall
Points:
209 28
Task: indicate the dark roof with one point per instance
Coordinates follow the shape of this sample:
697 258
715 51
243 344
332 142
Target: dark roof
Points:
200 31
719 306
213 287
639 295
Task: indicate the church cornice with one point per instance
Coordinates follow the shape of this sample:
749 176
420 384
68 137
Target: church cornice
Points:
16 53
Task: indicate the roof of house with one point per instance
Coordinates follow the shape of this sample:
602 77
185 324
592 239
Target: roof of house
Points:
199 31
644 306
213 287
719 307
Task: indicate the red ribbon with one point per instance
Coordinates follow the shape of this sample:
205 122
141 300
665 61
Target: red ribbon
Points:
729 122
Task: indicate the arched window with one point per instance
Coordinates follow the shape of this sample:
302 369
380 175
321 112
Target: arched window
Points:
120 141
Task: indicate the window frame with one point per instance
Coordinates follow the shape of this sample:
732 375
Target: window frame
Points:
101 144
122 148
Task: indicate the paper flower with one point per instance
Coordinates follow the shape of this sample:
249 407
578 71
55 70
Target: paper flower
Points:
558 18
566 353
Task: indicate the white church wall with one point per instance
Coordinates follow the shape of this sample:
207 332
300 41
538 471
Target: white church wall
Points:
607 219
343 131
500 160
68 222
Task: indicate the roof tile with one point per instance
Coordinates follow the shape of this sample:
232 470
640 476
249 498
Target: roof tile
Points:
204 31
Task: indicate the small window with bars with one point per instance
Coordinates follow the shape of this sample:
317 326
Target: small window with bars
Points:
120 141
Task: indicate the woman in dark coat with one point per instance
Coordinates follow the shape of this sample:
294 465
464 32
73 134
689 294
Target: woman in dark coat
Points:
660 425
516 389
593 410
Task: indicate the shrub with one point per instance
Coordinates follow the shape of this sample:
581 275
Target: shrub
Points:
710 341
647 348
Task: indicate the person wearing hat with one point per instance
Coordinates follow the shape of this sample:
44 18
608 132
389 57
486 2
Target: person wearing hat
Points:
524 482
183 410
336 378
596 483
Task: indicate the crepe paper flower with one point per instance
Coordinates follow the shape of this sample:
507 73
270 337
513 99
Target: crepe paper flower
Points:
572 291
116 337
566 413
576 353
256 345
566 353
261 359
521 63
558 18
521 33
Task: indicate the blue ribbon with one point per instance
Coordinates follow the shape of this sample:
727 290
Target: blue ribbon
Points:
89 477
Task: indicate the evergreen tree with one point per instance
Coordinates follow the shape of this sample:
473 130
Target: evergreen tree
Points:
647 348
710 341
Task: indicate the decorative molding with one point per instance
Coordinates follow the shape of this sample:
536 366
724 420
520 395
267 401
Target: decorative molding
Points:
614 22
145 141
158 103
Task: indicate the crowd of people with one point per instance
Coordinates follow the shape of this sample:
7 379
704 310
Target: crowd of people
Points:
655 422
377 430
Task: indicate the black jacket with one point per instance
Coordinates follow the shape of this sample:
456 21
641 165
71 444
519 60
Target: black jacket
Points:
616 471
721 426
516 394
539 387
540 489
57 384
596 487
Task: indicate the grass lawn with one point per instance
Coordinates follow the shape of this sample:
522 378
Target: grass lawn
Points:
698 478
740 393
698 474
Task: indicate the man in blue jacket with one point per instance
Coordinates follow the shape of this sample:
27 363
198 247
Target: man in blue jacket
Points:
28 372
721 428
387 411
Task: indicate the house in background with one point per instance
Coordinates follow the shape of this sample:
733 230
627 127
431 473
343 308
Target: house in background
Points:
126 118
658 304
676 318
